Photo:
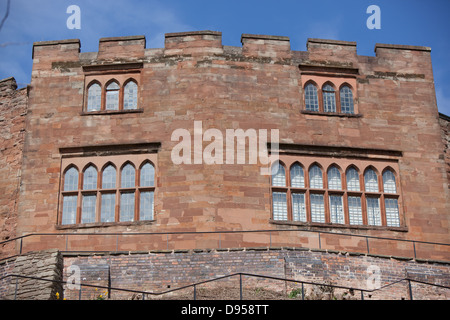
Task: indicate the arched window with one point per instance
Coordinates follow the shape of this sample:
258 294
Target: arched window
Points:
90 178
371 181
147 175
346 96
128 176
71 180
112 96
334 178
297 176
109 177
315 177
389 182
329 98
352 179
278 175
94 100
130 96
311 98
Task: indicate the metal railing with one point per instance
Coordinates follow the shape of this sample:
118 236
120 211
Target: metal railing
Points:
117 235
240 274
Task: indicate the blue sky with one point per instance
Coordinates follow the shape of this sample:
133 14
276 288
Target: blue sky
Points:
413 22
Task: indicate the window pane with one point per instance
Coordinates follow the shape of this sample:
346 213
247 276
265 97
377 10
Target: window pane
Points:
94 97
90 178
371 181
352 180
71 180
109 177
315 177
298 207
373 211
69 214
147 175
130 96
297 176
392 215
329 99
279 206
336 210
389 182
128 177
127 206
334 179
354 210
112 96
317 208
146 206
311 99
346 100
88 209
278 175
108 211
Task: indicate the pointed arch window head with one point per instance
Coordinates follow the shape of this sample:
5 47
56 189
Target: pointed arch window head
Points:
94 97
352 180
371 181
315 177
90 178
334 178
346 96
278 175
128 176
389 182
147 175
109 177
130 96
112 96
297 176
71 180
311 98
329 98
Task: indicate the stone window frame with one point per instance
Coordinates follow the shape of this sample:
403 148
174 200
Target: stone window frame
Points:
343 164
104 75
101 163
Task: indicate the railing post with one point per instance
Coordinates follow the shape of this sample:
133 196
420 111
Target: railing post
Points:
410 290
362 295
20 250
367 244
240 286
220 241
320 245
414 246
195 292
270 239
303 292
167 241
117 242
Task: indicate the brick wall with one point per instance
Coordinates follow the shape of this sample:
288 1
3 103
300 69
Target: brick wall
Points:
13 109
444 121
159 271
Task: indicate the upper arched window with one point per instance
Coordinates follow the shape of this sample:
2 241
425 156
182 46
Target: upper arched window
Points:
71 179
389 182
112 96
311 98
329 98
109 177
147 175
297 176
278 175
315 177
94 101
90 178
371 181
130 96
346 96
352 179
128 176
334 178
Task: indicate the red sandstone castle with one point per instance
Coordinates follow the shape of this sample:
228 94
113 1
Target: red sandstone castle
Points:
87 147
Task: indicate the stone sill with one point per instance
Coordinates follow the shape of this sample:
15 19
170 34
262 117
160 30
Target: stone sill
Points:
103 224
335 225
109 112
332 114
